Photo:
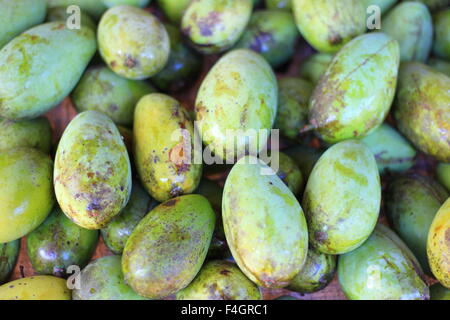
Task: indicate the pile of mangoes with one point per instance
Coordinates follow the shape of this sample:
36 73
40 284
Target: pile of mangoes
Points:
364 134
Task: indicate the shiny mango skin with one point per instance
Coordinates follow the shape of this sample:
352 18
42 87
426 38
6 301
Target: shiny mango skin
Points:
9 252
18 16
305 157
440 65
173 9
391 150
60 14
315 66
316 274
102 279
264 224
438 245
279 4
26 191
168 247
48 60
273 34
355 94
118 230
214 26
382 268
439 292
289 172
59 243
239 93
441 45
92 174
422 109
411 202
443 174
339 22
136 3
94 8
102 90
164 149
35 133
340 219
220 280
133 43
384 5
36 288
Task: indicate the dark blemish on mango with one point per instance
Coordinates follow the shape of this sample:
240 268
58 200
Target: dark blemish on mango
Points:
259 43
207 24
170 203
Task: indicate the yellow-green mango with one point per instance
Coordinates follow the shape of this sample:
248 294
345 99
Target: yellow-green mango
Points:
94 8
342 198
36 288
384 5
441 45
443 174
61 14
440 65
92 174
264 224
136 3
173 9
9 252
439 292
315 66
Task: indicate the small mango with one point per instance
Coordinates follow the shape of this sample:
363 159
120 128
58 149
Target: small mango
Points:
9 252
315 66
173 9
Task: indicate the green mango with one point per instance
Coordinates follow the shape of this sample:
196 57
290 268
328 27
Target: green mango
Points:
279 4
443 174
47 60
9 252
92 174
102 90
220 280
264 224
434 4
238 94
327 25
215 26
341 218
392 151
315 66
129 49
60 14
411 203
136 3
355 94
173 9
305 157
95 8
35 133
421 109
316 274
439 292
440 65
183 65
441 46
102 279
59 243
289 172
384 5
26 191
168 247
273 34
117 232
382 268
18 16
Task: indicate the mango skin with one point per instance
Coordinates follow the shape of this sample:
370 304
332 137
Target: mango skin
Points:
421 109
305 157
18 16
9 252
48 60
102 90
443 174
289 172
92 174
93 8
384 5
168 247
315 66
439 292
411 203
264 224
102 279
60 14
355 94
339 22
35 133
136 3
215 26
35 288
440 65
391 150
279 4
441 45
173 9
26 191
316 274
239 93
382 268
59 243
341 219
433 4
133 43
438 245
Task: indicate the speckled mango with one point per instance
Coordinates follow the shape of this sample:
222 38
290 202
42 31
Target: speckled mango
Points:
173 9
102 279
422 109
384 5
341 218
441 45
305 157
264 224
136 3
382 268
214 26
35 288
434 4
279 4
9 252
288 172
133 42
102 90
440 65
220 280
355 94
239 93
443 174
60 14
315 66
47 60
94 8
328 25
439 292
26 191
92 174
438 245
59 243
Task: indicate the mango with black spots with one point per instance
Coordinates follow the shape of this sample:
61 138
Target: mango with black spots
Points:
36 288
9 252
